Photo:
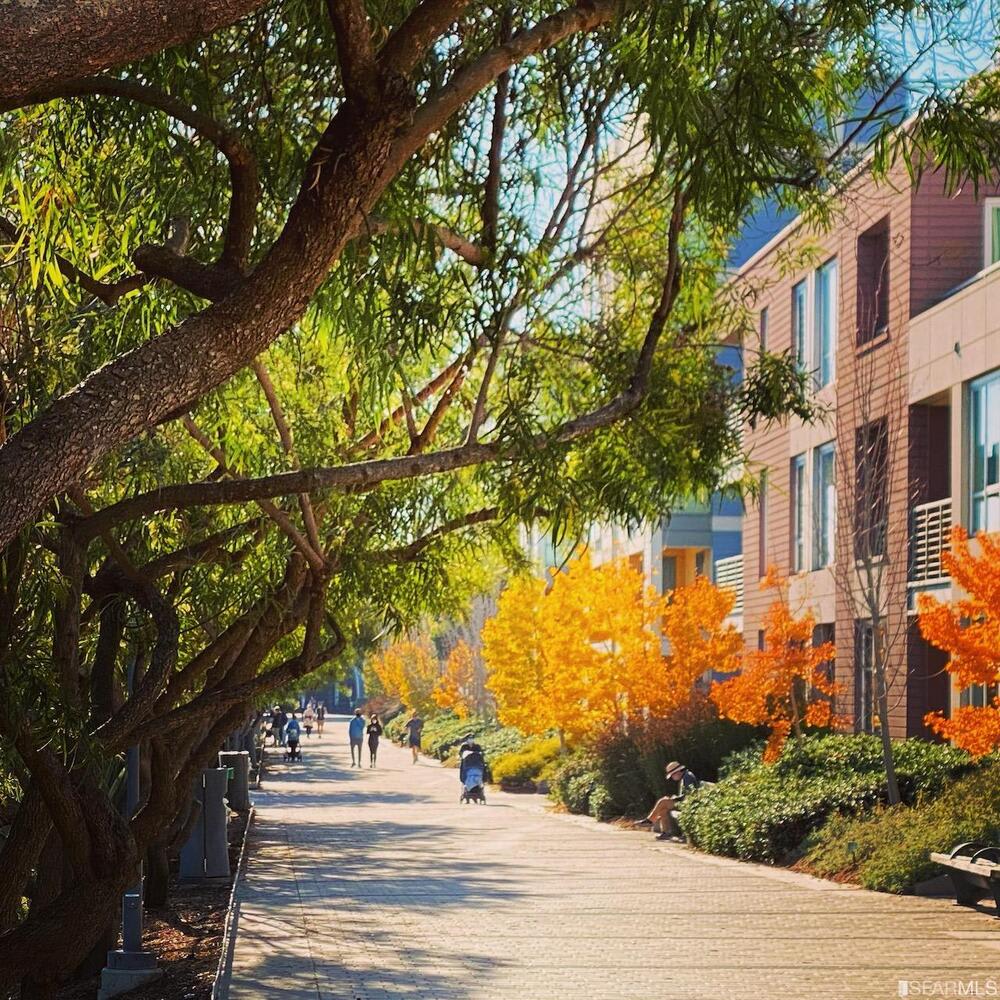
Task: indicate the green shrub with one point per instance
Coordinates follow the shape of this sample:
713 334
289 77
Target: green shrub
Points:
763 812
572 781
631 766
888 849
527 763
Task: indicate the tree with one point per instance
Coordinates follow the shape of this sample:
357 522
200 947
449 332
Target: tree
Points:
585 653
968 628
290 334
785 685
408 669
456 687
871 562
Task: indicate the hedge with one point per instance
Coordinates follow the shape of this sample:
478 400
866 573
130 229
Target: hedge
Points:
763 812
888 849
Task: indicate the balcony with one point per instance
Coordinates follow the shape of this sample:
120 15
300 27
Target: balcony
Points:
930 529
729 576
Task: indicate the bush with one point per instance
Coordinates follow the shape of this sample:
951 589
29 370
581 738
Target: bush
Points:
575 781
631 766
762 812
527 763
888 850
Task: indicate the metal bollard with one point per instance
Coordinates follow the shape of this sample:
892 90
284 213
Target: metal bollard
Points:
238 793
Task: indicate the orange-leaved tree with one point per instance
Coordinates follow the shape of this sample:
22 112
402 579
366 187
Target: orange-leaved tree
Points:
969 630
456 687
586 654
785 685
408 669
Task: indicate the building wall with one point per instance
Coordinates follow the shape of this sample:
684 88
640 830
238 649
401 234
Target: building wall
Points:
935 244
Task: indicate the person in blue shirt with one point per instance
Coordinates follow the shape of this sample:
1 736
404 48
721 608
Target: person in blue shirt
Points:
293 730
356 732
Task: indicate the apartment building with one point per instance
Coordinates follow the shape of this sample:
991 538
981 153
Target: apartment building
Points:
894 312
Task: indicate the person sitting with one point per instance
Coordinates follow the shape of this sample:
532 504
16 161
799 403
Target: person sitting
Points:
662 815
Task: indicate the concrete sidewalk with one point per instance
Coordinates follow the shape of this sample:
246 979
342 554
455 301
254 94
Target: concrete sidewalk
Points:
378 884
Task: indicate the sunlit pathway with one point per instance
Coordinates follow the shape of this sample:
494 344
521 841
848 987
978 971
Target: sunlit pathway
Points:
375 884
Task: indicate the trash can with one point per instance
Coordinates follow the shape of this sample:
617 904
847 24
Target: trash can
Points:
206 853
238 792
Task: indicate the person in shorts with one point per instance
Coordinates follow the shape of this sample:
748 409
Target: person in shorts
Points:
414 729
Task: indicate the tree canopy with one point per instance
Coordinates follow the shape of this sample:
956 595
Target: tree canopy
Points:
304 306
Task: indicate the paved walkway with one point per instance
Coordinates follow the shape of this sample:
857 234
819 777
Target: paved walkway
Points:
377 884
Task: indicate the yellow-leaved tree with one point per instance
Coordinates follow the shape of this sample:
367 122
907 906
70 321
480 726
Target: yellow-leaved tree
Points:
456 687
785 685
585 655
969 630
408 669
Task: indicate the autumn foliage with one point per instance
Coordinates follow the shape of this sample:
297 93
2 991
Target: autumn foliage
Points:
408 669
584 653
456 687
784 685
969 630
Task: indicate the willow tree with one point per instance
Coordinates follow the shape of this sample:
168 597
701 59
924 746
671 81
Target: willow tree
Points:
305 304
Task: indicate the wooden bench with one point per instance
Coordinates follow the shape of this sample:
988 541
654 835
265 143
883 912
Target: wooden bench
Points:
974 870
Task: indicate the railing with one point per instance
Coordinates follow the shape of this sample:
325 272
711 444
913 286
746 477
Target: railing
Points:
929 534
729 575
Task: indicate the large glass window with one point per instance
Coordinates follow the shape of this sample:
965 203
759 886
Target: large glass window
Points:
762 526
864 680
763 329
824 505
873 282
985 453
871 489
991 233
798 492
825 326
800 294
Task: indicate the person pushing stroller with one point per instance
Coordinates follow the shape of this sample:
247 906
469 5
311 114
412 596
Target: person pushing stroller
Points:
472 771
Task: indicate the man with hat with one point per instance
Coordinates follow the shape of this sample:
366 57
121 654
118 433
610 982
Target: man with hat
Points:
662 812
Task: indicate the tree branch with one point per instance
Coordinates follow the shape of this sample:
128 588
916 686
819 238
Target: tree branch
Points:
407 553
354 48
411 41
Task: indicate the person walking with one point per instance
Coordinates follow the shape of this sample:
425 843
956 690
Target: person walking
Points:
293 731
320 719
308 717
414 729
374 734
280 718
356 733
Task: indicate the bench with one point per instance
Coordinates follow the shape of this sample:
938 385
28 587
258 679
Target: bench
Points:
974 869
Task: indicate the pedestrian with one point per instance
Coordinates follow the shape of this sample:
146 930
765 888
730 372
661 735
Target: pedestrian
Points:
374 733
414 727
320 719
293 730
356 732
308 717
662 812
278 727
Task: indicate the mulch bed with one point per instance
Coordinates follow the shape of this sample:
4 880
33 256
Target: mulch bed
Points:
186 937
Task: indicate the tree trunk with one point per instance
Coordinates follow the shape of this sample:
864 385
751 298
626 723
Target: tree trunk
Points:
157 885
882 702
47 43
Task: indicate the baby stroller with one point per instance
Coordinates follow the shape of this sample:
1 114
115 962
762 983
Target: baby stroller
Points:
292 751
472 773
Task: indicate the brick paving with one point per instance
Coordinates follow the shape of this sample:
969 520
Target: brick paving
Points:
370 885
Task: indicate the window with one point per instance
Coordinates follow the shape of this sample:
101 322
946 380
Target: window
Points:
871 489
864 686
825 325
978 695
761 639
669 573
762 526
991 232
763 329
814 323
985 453
823 633
824 505
798 496
699 563
873 282
799 317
